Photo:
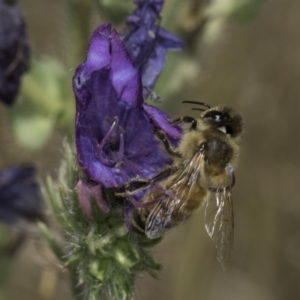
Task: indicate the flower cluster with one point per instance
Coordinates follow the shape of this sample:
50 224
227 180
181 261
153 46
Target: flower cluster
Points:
116 143
14 51
114 127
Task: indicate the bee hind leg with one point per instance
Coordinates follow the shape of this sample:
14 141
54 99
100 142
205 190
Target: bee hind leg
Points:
133 221
133 187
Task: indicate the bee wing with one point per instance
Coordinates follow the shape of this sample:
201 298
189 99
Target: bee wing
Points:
167 212
160 218
219 221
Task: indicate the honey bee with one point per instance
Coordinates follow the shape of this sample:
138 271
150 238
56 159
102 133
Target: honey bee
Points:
202 174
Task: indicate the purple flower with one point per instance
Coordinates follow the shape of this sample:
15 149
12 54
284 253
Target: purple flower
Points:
114 128
14 51
20 196
147 42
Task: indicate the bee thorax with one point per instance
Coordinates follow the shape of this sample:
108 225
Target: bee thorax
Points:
218 154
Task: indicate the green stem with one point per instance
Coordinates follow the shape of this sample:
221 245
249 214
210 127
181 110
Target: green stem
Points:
76 287
79 16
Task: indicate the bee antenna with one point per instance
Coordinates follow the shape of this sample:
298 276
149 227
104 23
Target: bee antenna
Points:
197 102
196 108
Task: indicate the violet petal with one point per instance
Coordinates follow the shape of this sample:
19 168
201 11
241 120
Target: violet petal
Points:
160 119
147 42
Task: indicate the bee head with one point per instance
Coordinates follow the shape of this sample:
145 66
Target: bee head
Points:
224 119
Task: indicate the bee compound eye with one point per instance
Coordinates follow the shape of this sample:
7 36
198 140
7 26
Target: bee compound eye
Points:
214 116
217 116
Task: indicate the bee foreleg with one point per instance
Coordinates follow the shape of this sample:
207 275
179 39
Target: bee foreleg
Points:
185 119
170 149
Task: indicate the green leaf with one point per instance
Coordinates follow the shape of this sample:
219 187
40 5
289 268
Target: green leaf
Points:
31 128
41 87
46 102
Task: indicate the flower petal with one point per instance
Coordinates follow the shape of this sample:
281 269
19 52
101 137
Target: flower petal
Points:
160 119
147 42
98 57
125 76
86 190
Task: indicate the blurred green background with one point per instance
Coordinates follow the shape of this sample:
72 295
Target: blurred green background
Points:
250 61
